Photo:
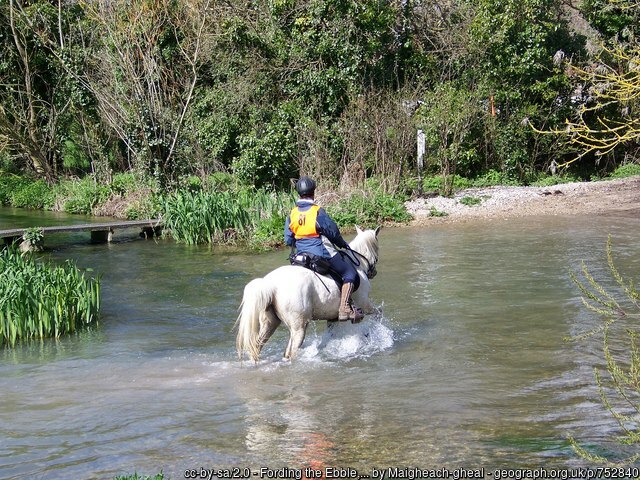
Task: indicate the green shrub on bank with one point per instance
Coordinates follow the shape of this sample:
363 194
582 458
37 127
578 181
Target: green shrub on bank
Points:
81 196
128 195
549 180
490 178
369 210
436 183
40 300
493 178
25 192
624 171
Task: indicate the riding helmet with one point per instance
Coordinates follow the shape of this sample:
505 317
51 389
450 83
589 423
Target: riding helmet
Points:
305 185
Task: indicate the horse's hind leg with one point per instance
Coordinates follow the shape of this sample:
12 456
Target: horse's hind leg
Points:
269 321
296 337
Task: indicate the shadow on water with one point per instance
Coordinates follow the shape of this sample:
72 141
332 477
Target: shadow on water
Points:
466 367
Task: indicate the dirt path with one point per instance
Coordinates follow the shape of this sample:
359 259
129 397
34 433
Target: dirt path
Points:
507 202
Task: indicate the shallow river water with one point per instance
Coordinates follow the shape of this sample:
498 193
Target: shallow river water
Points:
466 366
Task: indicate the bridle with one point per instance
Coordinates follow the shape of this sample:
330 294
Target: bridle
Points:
371 266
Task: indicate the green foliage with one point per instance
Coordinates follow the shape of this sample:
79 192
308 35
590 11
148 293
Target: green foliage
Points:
73 157
611 17
516 41
35 194
368 210
222 216
123 183
34 236
40 99
221 181
549 180
470 201
268 232
269 152
81 196
619 383
41 300
446 118
321 86
627 170
217 124
492 178
436 183
25 192
434 212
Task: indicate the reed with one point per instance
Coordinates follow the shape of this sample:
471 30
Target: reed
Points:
220 216
40 300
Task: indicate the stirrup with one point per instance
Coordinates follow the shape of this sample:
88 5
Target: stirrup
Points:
358 315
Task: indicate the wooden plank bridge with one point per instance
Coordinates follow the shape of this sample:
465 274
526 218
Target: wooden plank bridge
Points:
100 232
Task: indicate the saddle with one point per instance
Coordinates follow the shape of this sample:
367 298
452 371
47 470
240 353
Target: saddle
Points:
321 266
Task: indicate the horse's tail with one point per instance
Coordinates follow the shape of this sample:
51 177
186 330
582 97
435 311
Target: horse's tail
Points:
256 299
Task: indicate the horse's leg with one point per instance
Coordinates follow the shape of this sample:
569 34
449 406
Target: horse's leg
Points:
269 321
296 337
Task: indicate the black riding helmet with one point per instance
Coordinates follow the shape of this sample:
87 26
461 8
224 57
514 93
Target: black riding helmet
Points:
305 186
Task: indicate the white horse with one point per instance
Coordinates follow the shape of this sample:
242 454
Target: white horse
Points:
296 295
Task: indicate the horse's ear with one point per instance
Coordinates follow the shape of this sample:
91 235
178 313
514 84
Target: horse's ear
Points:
377 230
358 230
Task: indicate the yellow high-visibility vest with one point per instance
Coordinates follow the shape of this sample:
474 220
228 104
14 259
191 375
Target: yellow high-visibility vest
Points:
303 224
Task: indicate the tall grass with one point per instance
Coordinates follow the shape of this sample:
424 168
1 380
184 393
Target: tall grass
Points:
40 300
218 216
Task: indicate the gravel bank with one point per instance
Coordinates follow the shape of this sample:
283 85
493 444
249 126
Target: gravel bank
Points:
505 202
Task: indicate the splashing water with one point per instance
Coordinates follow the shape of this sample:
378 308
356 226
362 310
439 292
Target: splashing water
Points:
344 340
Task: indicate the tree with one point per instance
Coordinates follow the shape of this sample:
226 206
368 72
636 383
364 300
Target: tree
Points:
34 99
446 118
143 75
619 385
607 118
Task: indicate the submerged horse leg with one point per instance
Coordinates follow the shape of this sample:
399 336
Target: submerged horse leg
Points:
269 321
296 337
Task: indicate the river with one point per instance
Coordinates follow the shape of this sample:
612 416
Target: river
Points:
467 366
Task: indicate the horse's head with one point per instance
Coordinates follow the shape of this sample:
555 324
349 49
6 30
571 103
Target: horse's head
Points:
366 245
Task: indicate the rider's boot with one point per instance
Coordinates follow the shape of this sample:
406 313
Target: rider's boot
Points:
346 312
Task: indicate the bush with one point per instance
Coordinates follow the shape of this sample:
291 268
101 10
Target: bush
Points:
269 154
549 180
369 210
33 194
492 178
81 196
123 183
268 233
437 184
627 170
26 193
41 300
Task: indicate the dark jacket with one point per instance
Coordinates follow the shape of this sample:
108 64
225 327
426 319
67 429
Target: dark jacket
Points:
326 228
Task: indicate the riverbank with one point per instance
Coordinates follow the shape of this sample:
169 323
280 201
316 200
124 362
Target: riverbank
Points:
508 202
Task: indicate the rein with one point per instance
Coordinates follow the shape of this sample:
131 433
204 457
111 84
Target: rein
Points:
371 266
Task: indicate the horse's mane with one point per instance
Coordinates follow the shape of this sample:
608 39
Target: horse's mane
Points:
366 243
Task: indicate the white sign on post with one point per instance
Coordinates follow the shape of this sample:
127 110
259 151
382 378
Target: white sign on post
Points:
421 146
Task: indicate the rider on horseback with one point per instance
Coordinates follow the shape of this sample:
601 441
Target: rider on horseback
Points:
310 229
